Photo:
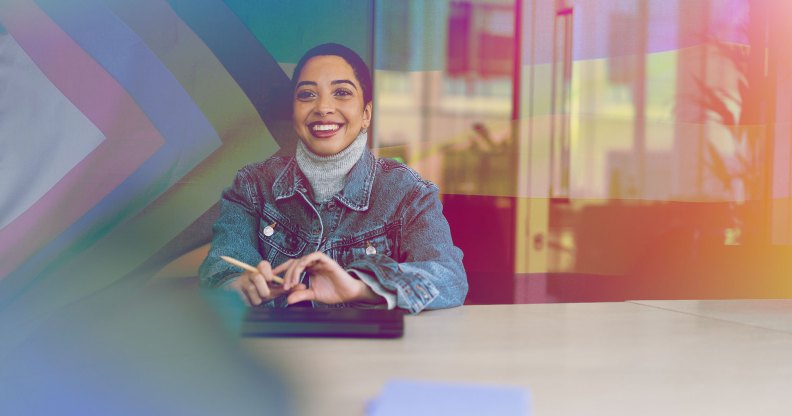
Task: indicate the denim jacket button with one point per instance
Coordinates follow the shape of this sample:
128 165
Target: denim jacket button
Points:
268 231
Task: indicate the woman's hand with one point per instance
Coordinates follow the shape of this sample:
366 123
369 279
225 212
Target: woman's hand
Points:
255 287
330 283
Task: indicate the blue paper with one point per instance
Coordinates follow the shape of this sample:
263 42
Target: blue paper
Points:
418 398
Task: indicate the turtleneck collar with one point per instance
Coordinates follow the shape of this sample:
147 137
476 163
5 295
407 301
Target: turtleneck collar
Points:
326 173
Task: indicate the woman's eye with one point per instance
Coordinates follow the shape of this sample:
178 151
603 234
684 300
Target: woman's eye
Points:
305 95
342 92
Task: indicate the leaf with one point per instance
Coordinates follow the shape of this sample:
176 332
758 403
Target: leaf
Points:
719 168
744 163
744 88
714 103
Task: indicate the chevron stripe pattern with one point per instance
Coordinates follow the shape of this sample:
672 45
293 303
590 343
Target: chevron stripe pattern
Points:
122 121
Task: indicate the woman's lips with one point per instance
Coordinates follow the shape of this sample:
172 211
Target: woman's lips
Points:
324 130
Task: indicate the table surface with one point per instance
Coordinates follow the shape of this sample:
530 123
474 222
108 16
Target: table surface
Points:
645 357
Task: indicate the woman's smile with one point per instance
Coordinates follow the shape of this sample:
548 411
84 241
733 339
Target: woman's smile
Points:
324 130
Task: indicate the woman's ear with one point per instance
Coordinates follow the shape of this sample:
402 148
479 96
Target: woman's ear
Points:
367 115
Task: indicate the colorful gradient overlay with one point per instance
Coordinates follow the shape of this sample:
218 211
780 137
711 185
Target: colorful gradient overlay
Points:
586 150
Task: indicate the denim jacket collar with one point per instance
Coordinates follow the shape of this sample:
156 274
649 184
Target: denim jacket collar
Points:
357 185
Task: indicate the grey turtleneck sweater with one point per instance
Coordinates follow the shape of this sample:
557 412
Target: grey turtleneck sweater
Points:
326 173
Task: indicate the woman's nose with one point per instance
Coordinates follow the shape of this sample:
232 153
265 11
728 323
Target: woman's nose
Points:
324 106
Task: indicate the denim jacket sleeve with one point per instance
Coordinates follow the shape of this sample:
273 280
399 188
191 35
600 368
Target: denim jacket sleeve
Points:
234 233
430 274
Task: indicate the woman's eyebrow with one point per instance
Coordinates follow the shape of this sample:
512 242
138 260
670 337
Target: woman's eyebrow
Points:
301 83
338 81
343 81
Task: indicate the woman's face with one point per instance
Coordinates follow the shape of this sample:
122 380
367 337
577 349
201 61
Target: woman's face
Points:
329 112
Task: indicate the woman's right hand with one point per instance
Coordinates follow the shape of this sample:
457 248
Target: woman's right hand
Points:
255 287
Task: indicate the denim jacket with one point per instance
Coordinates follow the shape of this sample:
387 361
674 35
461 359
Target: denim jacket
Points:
386 222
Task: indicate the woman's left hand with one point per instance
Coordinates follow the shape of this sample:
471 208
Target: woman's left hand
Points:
330 283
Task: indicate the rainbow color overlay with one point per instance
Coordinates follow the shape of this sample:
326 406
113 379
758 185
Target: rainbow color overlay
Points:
619 156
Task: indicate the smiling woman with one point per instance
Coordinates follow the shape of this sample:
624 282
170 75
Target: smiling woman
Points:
329 108
341 227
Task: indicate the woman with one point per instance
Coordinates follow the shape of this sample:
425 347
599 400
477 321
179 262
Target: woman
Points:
341 227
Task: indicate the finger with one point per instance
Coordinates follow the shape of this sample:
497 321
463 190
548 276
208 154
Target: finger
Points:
238 286
280 271
251 292
322 263
265 269
282 267
242 295
301 295
292 275
260 285
311 262
316 259
296 271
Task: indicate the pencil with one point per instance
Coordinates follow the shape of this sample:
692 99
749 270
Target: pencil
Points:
245 266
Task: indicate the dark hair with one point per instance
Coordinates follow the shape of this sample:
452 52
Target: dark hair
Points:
351 57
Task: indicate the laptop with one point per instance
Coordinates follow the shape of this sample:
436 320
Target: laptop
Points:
324 322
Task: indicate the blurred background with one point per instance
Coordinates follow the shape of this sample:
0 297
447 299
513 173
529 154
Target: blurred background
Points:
585 150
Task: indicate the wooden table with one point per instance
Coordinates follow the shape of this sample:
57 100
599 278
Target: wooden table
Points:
643 358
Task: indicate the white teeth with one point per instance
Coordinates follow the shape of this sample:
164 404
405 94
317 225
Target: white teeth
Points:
325 127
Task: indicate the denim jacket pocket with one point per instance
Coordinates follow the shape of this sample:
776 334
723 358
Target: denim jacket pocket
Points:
278 243
379 241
